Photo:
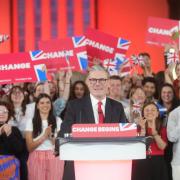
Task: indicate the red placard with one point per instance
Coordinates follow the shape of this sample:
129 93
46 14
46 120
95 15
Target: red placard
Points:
101 46
162 31
64 53
104 130
18 67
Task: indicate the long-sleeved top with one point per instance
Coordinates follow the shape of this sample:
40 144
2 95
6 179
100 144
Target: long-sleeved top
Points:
12 144
173 133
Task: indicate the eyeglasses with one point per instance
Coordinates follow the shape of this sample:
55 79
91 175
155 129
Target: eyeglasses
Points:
100 81
4 111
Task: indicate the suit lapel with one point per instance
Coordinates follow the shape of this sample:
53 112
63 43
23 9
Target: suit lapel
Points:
88 110
108 111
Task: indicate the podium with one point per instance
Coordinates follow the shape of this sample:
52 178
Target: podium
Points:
102 158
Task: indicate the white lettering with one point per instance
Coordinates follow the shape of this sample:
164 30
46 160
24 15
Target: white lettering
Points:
165 32
84 129
6 67
108 129
99 46
58 54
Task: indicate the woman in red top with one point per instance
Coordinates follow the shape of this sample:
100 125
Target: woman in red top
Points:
154 166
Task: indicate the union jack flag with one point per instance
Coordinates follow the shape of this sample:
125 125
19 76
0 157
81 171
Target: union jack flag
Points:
83 60
79 41
113 65
123 45
3 38
137 60
125 69
172 57
136 107
37 55
127 126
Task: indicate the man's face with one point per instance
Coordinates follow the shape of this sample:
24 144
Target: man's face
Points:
149 89
114 87
167 94
97 82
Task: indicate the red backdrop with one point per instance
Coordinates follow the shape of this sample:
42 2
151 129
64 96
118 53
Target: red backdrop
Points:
126 18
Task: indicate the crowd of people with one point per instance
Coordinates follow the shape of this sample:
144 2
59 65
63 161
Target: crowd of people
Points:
32 115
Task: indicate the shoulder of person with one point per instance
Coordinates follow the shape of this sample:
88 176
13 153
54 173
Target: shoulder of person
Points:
175 111
30 105
29 124
114 102
79 101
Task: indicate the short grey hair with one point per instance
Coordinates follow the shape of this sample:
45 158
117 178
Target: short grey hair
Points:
97 68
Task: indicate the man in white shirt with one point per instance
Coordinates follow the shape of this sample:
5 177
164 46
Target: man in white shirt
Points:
86 109
173 133
94 108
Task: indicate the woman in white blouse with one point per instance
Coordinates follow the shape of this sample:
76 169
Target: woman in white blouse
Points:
40 138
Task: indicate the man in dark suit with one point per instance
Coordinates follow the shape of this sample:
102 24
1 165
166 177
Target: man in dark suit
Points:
94 108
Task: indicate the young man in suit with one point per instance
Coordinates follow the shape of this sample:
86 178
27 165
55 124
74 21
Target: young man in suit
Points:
94 108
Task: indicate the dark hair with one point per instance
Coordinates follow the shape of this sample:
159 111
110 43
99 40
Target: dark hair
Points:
160 80
8 107
72 92
158 120
145 54
175 102
36 86
149 79
37 121
23 105
115 77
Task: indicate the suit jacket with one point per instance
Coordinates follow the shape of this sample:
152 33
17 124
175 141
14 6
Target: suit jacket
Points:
80 111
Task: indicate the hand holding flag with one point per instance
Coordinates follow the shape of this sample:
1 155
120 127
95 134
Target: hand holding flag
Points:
125 68
3 38
172 57
136 107
138 60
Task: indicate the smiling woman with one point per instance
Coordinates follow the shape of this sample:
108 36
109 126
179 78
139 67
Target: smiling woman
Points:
154 166
41 132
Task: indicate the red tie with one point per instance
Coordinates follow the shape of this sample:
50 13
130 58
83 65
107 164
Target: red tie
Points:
100 113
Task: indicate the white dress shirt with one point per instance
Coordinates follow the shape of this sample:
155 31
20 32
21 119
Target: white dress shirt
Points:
94 102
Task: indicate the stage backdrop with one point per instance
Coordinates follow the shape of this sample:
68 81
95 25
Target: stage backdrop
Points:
28 21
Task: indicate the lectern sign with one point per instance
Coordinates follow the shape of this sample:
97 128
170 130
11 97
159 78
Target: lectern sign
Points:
104 130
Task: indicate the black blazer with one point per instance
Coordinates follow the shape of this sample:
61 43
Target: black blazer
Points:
80 111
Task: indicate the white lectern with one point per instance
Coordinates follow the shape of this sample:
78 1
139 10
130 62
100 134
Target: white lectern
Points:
102 158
